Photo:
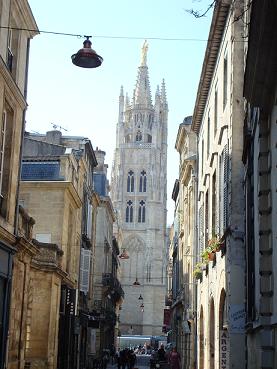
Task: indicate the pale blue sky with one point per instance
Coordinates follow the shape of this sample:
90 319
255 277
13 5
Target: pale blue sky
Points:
85 101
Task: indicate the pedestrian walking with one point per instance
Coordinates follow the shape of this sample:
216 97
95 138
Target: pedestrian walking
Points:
174 359
131 359
105 360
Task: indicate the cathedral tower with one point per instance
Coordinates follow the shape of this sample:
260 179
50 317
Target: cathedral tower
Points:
139 179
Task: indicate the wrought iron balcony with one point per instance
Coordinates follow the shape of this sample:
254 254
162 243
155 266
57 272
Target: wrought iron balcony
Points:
113 285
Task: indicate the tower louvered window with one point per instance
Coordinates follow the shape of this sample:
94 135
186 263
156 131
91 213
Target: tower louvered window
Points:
138 136
141 212
142 182
130 181
129 212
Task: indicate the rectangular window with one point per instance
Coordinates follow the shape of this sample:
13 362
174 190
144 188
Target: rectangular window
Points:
6 146
206 218
215 110
89 220
202 157
214 230
43 237
9 52
208 135
225 80
2 146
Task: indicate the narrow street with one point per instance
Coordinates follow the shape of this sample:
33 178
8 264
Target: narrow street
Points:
143 362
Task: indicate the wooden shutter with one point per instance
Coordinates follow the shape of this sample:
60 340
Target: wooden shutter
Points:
2 146
201 229
89 220
225 186
85 270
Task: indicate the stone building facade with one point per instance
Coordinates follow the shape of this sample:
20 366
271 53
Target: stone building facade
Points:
139 176
218 122
183 310
14 55
108 293
259 158
56 188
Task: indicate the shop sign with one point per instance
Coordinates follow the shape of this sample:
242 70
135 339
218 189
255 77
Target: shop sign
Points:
237 318
223 349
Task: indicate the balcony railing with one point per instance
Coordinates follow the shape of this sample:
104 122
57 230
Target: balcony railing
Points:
110 281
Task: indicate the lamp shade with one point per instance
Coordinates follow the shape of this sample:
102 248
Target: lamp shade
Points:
136 283
124 255
87 57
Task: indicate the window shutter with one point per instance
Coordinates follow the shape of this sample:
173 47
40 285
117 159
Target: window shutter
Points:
89 220
221 195
225 186
85 270
201 229
2 146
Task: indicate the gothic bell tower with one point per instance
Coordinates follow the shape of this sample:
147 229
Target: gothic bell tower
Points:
138 190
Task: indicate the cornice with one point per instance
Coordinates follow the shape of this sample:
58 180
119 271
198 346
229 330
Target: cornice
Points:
25 246
26 17
218 23
54 185
7 237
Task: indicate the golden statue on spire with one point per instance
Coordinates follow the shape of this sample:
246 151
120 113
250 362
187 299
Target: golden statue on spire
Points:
144 50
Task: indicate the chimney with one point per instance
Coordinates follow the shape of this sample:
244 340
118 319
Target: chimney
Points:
54 137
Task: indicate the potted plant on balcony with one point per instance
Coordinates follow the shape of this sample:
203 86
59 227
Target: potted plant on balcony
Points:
215 244
198 270
205 255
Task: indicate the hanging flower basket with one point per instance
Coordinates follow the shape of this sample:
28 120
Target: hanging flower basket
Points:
211 256
198 270
215 244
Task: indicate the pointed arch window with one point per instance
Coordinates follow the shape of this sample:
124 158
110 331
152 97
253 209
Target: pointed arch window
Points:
129 212
130 181
142 181
138 136
141 212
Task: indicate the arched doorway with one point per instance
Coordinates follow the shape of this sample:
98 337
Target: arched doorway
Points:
212 335
201 340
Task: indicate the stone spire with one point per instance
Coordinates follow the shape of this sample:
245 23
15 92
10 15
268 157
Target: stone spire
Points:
163 94
121 105
127 102
142 93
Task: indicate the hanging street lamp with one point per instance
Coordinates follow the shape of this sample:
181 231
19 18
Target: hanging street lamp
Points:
124 255
87 57
136 283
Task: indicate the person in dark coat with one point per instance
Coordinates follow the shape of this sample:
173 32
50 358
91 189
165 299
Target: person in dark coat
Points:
123 358
131 359
161 354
